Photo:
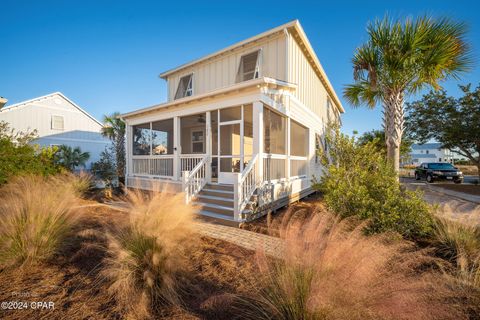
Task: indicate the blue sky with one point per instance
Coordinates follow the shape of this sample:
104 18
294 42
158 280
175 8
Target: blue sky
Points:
107 55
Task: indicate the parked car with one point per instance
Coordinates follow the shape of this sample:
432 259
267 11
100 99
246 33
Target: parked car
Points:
438 171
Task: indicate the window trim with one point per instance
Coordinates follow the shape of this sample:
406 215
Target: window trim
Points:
52 122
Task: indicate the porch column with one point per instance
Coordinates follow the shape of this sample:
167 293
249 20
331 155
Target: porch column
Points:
128 152
208 146
258 138
177 149
287 142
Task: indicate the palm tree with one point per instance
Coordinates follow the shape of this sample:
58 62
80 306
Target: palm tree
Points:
114 129
400 59
71 158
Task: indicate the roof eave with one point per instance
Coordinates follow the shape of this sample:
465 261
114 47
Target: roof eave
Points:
237 86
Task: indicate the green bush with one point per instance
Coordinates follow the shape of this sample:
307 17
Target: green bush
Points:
18 157
358 181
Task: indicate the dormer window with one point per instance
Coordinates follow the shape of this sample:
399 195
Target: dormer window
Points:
185 87
248 68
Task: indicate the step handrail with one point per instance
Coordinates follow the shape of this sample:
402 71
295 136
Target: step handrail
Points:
247 183
194 181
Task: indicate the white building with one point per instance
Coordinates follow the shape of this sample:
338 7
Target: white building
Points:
430 152
241 128
58 121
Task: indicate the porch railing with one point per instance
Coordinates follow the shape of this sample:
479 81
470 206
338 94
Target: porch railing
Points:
161 165
247 183
190 161
193 181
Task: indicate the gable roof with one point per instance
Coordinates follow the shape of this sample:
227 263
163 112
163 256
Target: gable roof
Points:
61 95
293 26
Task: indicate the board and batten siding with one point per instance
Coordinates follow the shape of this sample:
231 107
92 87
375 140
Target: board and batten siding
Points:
310 91
79 129
221 71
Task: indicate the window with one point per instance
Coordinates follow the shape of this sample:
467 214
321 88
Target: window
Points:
426 152
57 123
298 139
248 68
274 126
185 87
439 159
197 141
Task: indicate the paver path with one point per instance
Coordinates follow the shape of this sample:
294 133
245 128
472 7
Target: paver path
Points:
243 238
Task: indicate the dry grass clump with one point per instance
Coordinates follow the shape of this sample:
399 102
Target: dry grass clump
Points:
148 256
459 242
331 270
37 215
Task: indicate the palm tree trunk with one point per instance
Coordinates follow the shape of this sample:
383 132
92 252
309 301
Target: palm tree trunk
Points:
393 117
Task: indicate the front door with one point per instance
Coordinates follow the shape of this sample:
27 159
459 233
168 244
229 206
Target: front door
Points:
230 142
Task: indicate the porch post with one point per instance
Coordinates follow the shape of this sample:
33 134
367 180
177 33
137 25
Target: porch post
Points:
287 138
258 138
177 149
128 152
208 146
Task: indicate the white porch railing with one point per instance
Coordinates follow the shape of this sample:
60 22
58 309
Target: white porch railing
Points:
298 166
245 186
190 161
193 181
274 167
161 165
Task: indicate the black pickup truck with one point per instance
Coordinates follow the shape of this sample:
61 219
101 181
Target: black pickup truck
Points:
438 171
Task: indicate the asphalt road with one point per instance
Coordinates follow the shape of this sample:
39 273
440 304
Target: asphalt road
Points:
450 206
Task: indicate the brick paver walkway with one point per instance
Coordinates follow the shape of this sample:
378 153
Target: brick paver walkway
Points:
243 238
246 239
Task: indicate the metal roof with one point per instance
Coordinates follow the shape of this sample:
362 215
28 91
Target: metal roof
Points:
432 145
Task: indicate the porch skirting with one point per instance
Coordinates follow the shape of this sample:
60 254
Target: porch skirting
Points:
152 184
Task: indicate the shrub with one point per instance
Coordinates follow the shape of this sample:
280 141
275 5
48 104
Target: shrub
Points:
106 168
358 181
329 271
18 157
37 215
147 257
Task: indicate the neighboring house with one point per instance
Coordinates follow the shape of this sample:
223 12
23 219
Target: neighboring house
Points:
430 152
241 128
58 121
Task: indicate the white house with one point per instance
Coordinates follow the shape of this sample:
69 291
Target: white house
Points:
57 120
241 127
430 152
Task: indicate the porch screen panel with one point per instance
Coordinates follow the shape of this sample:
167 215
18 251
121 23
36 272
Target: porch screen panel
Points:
230 114
162 137
193 129
298 139
274 126
141 139
247 133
